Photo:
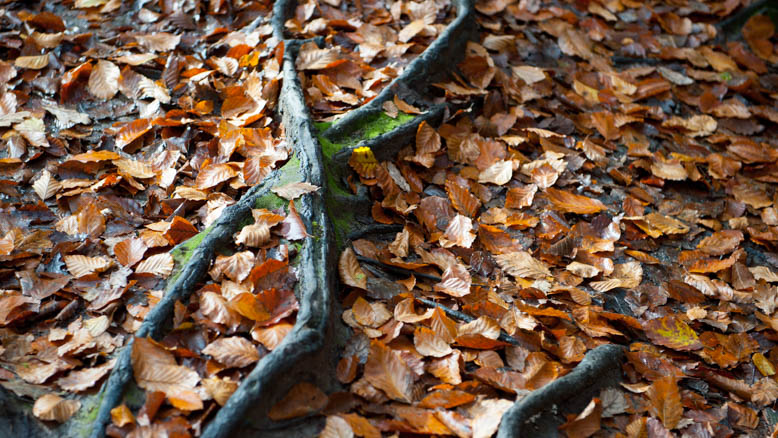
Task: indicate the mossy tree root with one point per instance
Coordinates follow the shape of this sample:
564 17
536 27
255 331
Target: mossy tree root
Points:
432 64
317 257
280 369
538 414
198 260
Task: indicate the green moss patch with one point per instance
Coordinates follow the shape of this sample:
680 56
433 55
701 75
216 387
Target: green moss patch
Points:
369 128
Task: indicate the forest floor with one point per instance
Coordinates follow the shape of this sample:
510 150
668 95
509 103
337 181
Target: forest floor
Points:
388 218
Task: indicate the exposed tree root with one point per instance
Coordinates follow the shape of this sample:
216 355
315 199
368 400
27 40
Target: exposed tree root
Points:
539 413
218 235
731 26
435 61
280 369
310 350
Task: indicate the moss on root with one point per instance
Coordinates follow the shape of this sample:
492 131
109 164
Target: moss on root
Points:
370 128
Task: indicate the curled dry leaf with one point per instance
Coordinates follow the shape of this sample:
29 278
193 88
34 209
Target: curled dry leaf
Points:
428 343
427 145
51 407
235 267
272 336
311 57
498 173
370 314
336 427
294 190
131 132
350 271
81 380
456 281
34 62
458 233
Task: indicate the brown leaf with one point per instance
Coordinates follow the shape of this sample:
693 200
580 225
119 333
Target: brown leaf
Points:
721 242
80 266
51 407
214 174
522 264
272 336
235 267
294 190
313 58
155 369
350 272
458 233
428 343
81 380
585 424
104 79
427 145
122 416
336 427
303 399
34 62
160 265
666 401
233 352
131 132
672 332
46 186
130 251
214 307
292 227
369 314
220 389
386 370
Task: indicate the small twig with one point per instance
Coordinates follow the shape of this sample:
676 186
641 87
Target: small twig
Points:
504 337
402 271
374 229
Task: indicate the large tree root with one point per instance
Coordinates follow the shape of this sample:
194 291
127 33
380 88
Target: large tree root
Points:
540 412
218 235
433 63
290 362
309 352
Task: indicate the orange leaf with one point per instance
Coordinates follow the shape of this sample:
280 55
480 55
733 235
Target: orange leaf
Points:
665 401
130 251
131 132
567 202
122 416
